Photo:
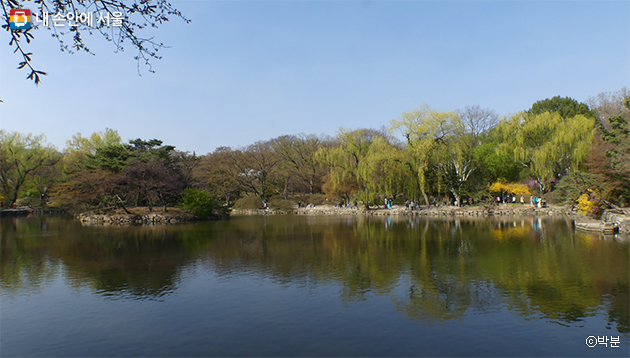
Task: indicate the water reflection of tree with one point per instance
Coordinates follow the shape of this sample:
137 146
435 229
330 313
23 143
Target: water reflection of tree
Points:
114 262
539 268
619 309
446 268
24 263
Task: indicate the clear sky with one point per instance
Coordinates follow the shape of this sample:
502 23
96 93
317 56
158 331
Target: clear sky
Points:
244 71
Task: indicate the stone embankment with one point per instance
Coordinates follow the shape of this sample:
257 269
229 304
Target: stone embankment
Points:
14 212
130 219
24 211
612 221
478 211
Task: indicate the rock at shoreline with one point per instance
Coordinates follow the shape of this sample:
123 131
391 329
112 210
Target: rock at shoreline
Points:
130 219
428 212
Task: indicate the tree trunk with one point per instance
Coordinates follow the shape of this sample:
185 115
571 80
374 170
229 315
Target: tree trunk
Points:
120 202
426 199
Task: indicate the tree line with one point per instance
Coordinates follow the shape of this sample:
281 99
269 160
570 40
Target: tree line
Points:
559 149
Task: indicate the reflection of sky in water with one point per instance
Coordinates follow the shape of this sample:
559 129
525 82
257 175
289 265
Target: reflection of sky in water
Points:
366 290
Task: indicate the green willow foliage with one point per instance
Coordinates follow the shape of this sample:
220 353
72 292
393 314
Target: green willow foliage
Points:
550 145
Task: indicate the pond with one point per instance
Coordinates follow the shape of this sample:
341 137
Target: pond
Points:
312 286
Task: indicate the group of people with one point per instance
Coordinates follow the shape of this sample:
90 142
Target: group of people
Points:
511 198
507 198
412 205
536 201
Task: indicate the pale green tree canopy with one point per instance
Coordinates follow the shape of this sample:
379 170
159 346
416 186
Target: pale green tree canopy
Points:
79 148
346 160
20 156
425 129
547 143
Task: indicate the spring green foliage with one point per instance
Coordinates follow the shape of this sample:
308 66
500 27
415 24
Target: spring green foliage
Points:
79 148
495 164
424 129
200 202
349 163
565 106
456 163
382 171
549 145
23 158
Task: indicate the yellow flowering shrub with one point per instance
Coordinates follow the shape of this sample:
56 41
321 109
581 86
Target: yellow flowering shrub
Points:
511 188
585 205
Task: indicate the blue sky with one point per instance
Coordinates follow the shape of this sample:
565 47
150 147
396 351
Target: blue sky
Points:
244 71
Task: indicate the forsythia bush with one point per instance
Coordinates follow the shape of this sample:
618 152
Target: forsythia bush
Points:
585 206
512 188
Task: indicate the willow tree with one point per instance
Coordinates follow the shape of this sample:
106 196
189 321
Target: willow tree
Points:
549 145
423 129
345 160
382 170
455 163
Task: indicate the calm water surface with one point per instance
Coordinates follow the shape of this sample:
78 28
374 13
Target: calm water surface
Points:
311 286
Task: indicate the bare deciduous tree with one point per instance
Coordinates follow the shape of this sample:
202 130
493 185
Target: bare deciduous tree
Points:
298 153
477 120
217 172
256 165
609 104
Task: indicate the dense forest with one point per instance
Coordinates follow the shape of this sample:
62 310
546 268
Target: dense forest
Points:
562 150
